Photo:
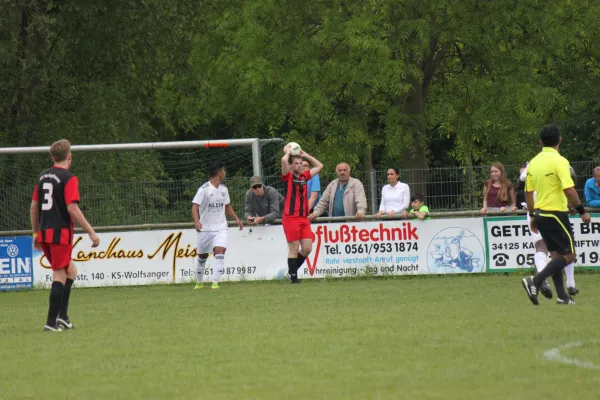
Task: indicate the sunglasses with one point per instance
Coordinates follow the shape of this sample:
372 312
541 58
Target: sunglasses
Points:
257 186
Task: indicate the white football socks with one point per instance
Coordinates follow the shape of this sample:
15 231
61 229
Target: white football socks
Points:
570 273
540 261
200 267
218 267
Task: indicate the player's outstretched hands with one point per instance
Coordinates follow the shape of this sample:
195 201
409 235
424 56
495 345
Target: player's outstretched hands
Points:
198 226
95 239
239 223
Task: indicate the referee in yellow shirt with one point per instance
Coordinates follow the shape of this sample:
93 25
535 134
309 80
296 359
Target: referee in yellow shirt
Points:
549 176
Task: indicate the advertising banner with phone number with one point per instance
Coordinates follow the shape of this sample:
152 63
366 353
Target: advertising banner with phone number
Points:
509 245
387 247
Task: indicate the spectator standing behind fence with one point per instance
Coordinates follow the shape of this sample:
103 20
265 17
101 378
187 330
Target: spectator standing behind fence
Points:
343 197
592 190
521 204
498 191
314 187
419 209
395 196
263 203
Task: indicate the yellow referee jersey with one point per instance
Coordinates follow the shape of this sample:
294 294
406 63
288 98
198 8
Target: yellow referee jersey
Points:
548 175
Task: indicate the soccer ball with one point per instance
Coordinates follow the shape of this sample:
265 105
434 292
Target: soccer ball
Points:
296 149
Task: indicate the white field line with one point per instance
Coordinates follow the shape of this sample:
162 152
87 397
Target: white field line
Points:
555 355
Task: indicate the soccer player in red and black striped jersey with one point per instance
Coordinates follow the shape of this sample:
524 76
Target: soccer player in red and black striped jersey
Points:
295 211
54 207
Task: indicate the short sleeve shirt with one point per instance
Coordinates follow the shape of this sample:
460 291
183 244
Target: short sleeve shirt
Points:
212 202
423 209
548 174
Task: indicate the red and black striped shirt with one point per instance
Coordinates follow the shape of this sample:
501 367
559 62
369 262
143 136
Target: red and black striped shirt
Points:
296 194
55 190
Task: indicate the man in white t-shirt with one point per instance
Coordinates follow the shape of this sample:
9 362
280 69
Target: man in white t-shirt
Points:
541 251
208 210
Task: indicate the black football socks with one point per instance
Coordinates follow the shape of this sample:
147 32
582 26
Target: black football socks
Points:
556 265
64 308
56 296
293 268
300 259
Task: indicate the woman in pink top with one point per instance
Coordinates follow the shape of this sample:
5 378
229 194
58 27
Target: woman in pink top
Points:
498 191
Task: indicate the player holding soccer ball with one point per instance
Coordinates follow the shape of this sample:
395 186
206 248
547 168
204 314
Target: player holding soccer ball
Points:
295 212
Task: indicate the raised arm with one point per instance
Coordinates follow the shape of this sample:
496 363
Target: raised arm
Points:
285 161
317 166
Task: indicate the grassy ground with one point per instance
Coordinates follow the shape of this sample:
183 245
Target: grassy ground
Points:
461 337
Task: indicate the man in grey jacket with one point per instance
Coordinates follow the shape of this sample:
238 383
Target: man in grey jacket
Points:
263 203
344 196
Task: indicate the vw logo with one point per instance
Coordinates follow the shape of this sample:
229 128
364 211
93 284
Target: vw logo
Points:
12 250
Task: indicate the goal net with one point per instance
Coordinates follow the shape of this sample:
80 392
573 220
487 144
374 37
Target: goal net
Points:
131 187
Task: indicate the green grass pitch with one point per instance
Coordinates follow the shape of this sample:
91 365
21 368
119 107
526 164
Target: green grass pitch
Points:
459 337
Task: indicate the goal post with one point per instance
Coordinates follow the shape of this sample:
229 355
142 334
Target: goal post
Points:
138 183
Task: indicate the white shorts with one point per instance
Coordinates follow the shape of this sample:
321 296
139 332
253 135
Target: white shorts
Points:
206 241
535 237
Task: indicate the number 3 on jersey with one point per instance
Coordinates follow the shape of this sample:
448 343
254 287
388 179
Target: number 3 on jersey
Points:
48 190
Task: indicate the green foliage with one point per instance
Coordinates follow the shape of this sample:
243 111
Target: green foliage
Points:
374 83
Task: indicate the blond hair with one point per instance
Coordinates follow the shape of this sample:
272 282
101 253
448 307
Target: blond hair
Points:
60 150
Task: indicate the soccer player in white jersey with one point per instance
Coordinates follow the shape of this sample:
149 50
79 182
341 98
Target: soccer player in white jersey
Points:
208 210
541 252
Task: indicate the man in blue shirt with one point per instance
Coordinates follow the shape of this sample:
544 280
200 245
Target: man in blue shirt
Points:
314 187
592 190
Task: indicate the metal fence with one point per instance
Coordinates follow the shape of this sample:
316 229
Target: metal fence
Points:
133 203
448 189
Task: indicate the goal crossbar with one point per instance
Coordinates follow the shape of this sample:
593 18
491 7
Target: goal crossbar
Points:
254 143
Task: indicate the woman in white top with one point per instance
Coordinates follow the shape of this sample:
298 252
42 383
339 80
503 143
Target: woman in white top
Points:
395 197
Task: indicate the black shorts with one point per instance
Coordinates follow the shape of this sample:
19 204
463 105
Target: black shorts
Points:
555 228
